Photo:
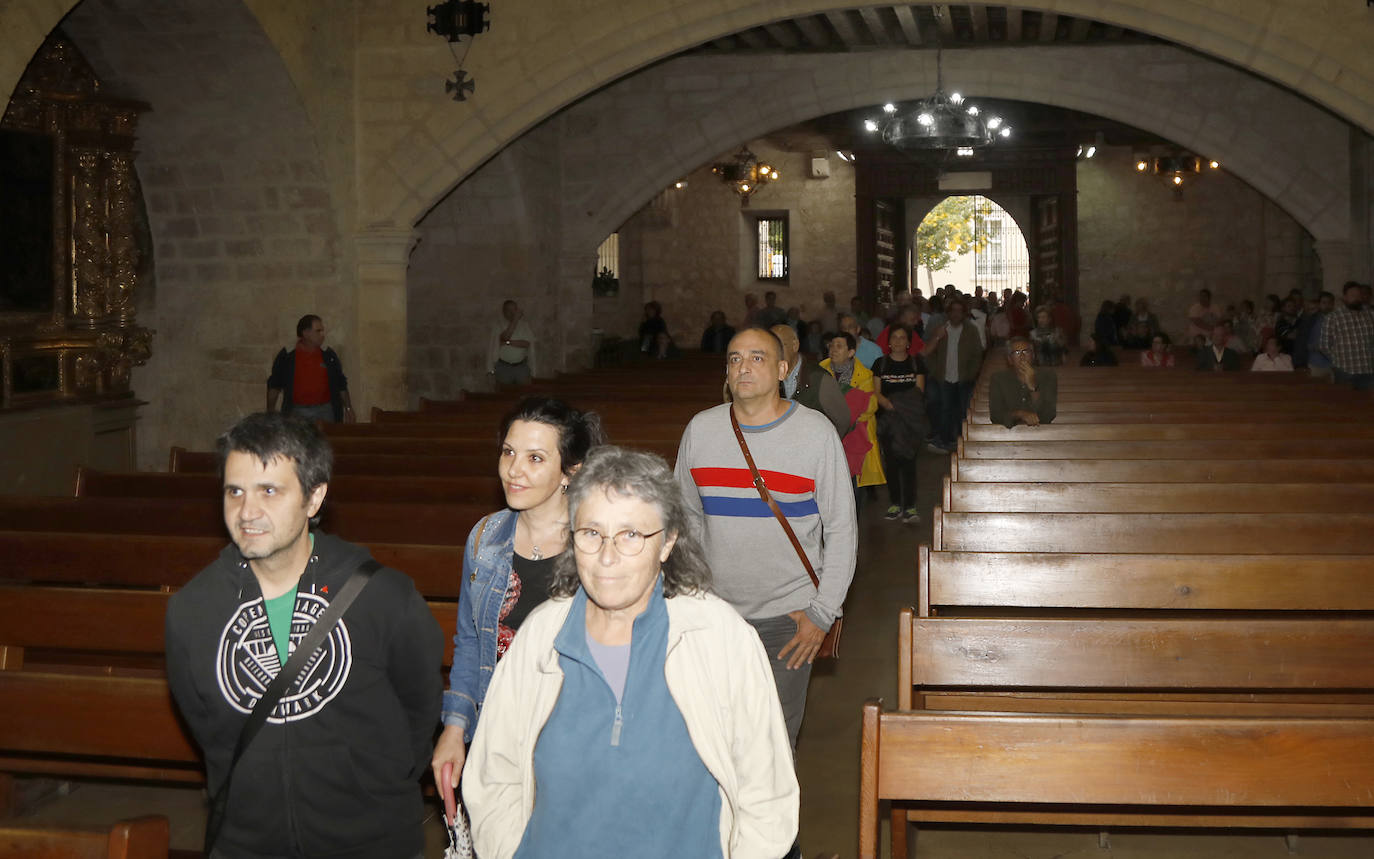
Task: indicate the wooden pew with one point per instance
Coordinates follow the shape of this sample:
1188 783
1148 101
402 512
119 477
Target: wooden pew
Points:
137 838
1309 434
67 715
1161 470
93 483
1023 497
1187 767
1112 771
395 464
1021 582
1335 448
439 524
1167 414
1202 533
162 561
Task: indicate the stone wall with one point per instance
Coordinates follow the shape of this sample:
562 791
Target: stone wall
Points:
244 226
696 252
495 237
1137 238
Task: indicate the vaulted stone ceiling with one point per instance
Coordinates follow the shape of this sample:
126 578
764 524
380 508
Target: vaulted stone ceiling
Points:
922 26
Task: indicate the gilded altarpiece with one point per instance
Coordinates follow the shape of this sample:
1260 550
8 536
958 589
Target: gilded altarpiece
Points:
81 345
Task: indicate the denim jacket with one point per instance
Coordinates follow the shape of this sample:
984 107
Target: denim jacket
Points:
486 574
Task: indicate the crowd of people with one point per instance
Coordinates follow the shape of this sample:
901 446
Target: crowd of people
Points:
634 641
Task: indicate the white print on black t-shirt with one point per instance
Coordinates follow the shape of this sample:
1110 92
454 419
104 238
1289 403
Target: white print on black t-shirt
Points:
247 661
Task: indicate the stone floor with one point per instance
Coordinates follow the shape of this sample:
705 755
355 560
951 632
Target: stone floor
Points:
828 751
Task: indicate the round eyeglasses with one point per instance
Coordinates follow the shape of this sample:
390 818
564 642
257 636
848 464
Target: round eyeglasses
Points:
628 543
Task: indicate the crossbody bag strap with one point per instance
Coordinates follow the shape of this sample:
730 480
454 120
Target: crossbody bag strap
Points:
289 673
768 499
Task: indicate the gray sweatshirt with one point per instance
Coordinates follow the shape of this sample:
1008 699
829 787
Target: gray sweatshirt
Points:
753 563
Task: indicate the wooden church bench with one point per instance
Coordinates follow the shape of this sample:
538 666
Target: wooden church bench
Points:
1201 497
154 561
1210 449
1274 471
1263 763
93 483
1310 434
363 522
1204 533
137 838
1045 582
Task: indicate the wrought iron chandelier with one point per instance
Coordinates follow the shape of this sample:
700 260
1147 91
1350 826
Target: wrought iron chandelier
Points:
746 173
938 121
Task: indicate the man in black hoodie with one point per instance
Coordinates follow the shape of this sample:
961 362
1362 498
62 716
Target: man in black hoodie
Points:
335 771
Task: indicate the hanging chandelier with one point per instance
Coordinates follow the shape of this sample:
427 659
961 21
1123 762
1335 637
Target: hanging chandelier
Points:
938 121
746 173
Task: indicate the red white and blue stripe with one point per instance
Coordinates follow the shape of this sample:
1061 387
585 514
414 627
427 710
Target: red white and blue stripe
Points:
730 492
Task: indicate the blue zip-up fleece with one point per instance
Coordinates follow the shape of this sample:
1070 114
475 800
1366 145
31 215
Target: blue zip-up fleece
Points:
486 574
596 760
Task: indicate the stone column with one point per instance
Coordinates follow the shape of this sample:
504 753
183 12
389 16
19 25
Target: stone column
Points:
378 374
1361 206
1335 258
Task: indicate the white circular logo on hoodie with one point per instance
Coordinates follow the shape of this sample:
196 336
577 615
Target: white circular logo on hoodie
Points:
247 661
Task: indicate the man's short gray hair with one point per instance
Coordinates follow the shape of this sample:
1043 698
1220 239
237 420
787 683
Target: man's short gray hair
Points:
636 474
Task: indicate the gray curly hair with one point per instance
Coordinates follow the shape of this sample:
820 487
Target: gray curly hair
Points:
646 476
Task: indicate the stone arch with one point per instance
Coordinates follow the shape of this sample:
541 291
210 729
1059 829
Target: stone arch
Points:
244 224
923 206
1321 55
1302 164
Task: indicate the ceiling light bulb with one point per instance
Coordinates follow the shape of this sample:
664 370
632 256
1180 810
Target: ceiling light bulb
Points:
955 98
926 119
1214 165
889 108
870 125
1141 165
1006 132
1092 150
773 174
994 122
973 110
744 186
678 184
965 151
1178 180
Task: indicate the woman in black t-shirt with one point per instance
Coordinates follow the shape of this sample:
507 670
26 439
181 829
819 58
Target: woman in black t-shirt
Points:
900 380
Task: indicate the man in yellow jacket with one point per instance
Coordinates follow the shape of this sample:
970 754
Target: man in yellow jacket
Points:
856 383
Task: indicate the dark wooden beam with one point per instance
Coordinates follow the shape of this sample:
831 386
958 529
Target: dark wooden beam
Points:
876 28
979 15
906 19
1049 23
844 28
1013 24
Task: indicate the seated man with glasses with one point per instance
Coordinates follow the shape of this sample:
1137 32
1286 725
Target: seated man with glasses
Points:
1022 393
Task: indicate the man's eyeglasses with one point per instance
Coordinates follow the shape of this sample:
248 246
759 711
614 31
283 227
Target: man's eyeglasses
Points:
629 543
1021 351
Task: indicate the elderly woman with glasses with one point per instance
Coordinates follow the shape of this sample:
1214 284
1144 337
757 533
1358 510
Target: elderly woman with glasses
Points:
1022 393
635 713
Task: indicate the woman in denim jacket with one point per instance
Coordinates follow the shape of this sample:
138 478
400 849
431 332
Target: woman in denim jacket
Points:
508 561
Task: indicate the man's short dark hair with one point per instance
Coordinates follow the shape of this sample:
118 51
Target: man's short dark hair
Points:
1325 294
1351 284
305 323
848 339
269 435
761 330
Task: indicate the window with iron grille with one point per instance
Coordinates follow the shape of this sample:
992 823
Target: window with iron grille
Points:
608 256
772 248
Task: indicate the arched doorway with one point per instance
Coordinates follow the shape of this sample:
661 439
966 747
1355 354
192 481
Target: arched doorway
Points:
971 242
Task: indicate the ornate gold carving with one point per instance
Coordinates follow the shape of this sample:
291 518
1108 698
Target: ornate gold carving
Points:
96 266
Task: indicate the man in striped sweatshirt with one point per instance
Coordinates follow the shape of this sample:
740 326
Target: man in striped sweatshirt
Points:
753 564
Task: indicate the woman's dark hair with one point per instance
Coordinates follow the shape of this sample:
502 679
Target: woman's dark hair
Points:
1108 307
578 432
646 476
271 435
1274 302
895 328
